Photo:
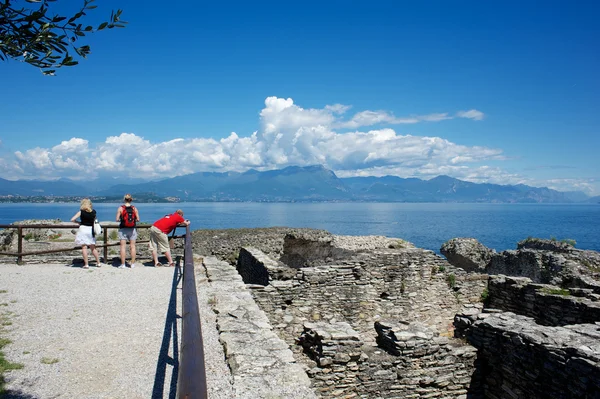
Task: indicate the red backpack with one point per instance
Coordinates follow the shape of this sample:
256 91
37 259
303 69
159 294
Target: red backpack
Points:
127 216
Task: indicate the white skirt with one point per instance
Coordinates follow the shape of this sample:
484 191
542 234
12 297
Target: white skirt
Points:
84 236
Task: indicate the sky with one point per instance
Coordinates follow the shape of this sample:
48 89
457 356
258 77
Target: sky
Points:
500 92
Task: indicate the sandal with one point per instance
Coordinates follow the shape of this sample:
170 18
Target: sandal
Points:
172 264
158 264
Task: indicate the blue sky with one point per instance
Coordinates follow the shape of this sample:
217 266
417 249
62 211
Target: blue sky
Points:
502 92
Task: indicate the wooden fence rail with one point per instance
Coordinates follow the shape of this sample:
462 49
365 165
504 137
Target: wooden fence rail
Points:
105 227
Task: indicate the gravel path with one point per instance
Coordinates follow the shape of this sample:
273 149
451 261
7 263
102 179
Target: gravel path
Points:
97 333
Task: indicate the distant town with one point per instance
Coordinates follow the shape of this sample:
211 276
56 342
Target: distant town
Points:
45 199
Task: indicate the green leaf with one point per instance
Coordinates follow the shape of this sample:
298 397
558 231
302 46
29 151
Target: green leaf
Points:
102 25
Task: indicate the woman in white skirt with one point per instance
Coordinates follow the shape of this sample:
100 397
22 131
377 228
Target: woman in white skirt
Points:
85 234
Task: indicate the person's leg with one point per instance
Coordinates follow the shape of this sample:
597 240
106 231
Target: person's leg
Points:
169 259
154 246
85 256
95 253
132 251
123 251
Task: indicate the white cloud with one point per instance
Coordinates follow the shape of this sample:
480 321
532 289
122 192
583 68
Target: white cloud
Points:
289 135
471 114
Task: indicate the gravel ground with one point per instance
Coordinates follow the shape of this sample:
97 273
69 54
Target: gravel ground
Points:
97 333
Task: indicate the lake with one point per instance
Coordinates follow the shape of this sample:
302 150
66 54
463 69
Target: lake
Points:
498 226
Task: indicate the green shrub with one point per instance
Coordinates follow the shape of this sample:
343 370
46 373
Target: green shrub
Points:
569 241
442 268
485 296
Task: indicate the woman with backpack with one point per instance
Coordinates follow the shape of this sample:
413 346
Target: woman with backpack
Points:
127 216
85 234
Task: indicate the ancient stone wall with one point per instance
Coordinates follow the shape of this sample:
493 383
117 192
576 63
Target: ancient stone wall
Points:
548 305
521 359
407 286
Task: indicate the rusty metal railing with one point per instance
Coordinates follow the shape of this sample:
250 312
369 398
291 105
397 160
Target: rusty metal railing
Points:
20 227
191 381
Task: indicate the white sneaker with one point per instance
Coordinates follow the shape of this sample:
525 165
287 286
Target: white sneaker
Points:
121 267
132 265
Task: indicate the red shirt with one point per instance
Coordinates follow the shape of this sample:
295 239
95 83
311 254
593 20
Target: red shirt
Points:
169 222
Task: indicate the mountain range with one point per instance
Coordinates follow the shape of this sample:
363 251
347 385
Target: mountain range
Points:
294 183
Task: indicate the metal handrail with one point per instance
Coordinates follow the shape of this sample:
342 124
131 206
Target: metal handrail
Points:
191 381
105 226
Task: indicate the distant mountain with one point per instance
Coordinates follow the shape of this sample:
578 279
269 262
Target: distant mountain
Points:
594 200
294 183
312 183
32 188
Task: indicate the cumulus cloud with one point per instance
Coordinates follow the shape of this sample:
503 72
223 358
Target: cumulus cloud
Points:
288 135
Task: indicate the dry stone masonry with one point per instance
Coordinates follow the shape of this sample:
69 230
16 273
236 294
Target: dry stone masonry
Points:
261 364
522 359
332 305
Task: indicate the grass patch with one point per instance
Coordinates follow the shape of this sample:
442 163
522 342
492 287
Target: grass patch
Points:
555 291
54 237
442 268
49 360
3 291
569 241
451 280
5 365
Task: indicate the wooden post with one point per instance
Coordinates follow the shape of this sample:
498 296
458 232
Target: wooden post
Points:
20 245
105 245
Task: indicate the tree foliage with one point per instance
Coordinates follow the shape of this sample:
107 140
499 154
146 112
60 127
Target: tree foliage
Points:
33 35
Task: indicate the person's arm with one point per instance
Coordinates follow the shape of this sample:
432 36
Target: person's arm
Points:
74 218
118 217
186 222
137 215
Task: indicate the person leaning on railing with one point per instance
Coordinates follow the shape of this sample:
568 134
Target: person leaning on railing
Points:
85 234
158 235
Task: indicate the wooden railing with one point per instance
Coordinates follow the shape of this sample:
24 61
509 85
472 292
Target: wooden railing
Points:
191 381
20 227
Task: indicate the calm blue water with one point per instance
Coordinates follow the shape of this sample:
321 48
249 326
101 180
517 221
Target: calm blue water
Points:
498 226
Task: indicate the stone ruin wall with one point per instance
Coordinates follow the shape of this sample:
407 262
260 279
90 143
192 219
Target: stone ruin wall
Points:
518 358
407 287
546 304
535 340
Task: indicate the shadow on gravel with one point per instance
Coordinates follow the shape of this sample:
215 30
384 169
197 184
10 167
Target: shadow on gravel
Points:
170 333
16 395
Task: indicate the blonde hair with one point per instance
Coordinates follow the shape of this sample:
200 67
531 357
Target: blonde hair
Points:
86 205
179 211
127 198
